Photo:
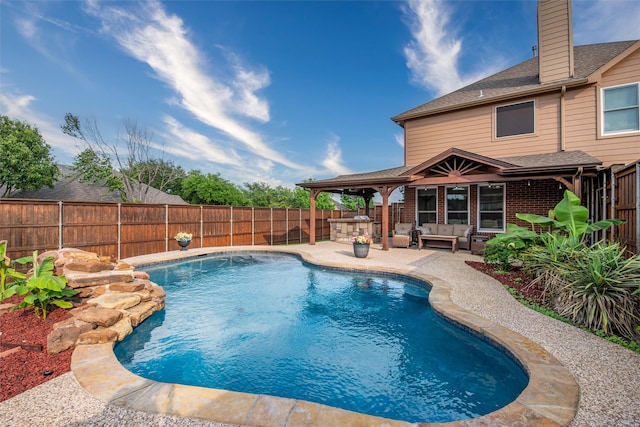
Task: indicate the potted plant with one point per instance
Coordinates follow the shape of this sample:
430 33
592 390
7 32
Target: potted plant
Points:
361 244
183 240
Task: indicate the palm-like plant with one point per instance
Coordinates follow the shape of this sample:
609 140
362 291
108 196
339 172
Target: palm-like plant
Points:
599 290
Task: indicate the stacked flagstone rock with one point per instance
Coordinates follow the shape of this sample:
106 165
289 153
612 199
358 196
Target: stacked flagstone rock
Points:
112 300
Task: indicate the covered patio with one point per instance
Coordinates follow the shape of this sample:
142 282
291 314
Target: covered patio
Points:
365 185
532 183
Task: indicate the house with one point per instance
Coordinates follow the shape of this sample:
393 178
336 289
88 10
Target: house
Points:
69 188
514 141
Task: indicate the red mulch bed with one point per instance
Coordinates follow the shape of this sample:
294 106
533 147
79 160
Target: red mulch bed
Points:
24 369
515 279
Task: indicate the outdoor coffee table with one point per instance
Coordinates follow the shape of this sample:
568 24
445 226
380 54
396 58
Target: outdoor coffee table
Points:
437 241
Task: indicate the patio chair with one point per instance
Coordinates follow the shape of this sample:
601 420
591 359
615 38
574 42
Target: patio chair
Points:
402 235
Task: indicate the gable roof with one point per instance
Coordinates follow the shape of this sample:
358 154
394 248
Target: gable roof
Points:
397 174
522 80
68 187
471 163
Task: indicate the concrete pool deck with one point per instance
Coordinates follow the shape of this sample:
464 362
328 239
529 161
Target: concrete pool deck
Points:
566 357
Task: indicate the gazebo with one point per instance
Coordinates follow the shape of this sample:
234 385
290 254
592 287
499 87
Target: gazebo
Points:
364 185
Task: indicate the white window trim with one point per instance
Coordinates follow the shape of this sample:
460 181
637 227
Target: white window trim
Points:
624 132
535 120
446 205
416 198
504 209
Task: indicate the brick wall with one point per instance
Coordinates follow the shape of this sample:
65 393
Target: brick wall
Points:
536 197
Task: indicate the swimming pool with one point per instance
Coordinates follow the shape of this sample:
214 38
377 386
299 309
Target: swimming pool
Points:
365 342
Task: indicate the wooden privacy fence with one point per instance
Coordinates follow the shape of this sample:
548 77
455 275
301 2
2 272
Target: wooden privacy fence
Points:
627 206
123 230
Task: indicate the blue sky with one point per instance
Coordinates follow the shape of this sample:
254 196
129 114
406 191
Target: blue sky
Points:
266 91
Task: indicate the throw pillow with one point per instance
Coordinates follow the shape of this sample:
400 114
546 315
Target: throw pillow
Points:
468 231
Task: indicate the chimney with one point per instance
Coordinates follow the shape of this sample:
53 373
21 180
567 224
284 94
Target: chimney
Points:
555 40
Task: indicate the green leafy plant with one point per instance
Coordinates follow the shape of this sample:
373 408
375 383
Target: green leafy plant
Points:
545 262
41 288
599 290
505 248
7 272
499 255
570 217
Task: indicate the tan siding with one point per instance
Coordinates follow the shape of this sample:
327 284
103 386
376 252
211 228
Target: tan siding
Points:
472 130
580 119
554 37
582 115
627 71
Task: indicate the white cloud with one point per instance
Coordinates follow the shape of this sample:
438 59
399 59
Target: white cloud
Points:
399 137
18 107
605 20
185 142
162 42
432 56
333 159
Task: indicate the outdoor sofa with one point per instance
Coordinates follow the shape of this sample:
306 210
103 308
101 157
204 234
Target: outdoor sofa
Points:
445 235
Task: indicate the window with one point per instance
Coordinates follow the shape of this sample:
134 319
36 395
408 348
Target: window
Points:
620 111
515 119
457 205
491 207
427 202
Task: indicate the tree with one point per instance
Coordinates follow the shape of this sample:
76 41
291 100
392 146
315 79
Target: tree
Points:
169 176
138 169
211 190
353 202
301 198
25 158
259 194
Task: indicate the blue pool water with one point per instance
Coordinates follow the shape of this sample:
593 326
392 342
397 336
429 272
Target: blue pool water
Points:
271 324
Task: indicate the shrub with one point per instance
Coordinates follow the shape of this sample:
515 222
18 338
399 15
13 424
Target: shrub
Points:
545 263
499 256
599 290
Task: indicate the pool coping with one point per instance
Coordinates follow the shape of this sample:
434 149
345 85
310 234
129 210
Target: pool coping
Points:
550 398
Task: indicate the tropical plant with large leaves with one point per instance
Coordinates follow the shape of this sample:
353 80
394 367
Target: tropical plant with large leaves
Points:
42 287
571 217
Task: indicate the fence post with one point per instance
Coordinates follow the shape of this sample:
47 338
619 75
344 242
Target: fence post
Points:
60 225
286 212
231 226
119 229
201 227
300 224
253 226
637 236
166 228
271 226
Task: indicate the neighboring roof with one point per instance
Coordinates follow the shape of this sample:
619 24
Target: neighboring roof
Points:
520 80
68 187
